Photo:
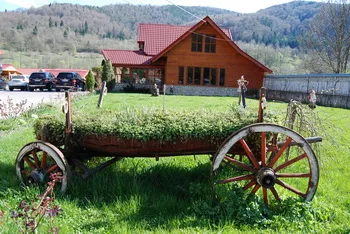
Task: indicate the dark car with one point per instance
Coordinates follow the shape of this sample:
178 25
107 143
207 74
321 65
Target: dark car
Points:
69 80
3 84
41 80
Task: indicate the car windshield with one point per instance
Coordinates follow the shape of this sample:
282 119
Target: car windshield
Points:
65 75
18 77
37 75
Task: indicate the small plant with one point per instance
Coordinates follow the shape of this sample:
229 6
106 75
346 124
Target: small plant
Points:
10 109
31 215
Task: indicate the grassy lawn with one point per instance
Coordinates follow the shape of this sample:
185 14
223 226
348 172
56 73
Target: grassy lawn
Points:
172 195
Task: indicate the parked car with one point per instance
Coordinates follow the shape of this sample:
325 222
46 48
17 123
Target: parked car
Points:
41 80
3 84
19 82
69 80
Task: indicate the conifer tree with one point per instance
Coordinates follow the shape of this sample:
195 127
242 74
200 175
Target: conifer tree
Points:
108 74
90 81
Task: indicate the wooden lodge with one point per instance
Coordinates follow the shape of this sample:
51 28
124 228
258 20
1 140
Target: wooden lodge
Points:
186 57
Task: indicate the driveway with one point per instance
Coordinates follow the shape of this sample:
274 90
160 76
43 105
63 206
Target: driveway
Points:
12 102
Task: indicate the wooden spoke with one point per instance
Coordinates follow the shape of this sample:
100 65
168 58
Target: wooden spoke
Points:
294 175
29 162
280 152
266 201
237 178
288 163
274 139
43 164
249 153
36 159
240 164
255 189
290 188
263 149
275 194
51 169
273 146
250 184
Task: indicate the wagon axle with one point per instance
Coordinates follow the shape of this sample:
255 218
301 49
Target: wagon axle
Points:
36 176
266 177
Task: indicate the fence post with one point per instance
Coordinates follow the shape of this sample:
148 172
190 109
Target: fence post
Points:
102 91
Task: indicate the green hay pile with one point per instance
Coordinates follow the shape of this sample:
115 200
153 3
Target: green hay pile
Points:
150 124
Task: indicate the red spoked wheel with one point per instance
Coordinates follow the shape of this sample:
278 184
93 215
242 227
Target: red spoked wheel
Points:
256 159
36 161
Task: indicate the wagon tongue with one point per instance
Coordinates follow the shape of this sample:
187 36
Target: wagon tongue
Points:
266 177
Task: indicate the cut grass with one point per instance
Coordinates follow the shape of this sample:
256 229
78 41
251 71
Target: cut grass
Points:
173 195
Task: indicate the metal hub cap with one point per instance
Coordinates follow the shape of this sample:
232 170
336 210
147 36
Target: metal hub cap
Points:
266 177
36 176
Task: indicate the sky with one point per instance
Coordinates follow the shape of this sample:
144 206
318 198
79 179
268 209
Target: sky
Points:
245 6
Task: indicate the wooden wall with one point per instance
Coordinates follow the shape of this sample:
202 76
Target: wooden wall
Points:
225 57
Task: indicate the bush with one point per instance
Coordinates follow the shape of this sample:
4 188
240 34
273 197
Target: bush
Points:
90 81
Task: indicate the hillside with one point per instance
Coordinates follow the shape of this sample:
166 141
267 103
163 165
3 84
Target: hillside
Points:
67 27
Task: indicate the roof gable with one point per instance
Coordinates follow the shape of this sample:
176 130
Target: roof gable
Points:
157 37
208 20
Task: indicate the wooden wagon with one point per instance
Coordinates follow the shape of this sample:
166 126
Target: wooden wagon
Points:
262 158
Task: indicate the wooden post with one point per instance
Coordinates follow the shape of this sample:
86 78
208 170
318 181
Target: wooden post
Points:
68 112
262 99
101 94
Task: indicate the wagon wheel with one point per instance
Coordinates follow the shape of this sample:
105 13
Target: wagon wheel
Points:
37 160
254 158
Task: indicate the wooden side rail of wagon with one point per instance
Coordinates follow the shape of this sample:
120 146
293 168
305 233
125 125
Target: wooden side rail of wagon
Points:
253 158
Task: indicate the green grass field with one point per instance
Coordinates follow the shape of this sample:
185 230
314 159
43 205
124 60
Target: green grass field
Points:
172 195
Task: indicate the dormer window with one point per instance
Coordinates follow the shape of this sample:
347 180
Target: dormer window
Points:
141 46
197 42
210 44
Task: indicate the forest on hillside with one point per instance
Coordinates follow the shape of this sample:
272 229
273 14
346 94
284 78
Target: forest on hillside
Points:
56 31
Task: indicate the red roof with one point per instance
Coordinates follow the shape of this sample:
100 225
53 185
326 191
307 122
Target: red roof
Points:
8 67
127 57
159 36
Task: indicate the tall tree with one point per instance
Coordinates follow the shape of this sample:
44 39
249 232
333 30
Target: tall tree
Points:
86 27
328 39
50 22
35 30
108 74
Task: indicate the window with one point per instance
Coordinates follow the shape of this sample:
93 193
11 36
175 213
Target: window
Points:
197 75
222 77
181 75
197 42
154 77
190 74
209 76
210 44
125 78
